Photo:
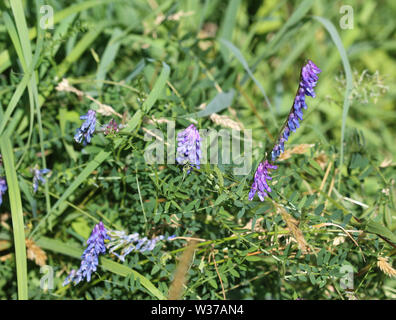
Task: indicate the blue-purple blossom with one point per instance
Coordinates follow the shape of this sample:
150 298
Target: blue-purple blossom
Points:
132 242
260 183
189 147
3 188
308 80
38 177
90 257
87 129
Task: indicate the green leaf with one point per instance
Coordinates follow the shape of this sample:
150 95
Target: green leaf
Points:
213 283
220 199
377 228
253 258
17 216
81 227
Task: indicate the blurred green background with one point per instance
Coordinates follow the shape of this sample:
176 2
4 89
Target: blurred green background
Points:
114 51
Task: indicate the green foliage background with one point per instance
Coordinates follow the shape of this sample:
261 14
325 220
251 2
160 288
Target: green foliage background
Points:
164 59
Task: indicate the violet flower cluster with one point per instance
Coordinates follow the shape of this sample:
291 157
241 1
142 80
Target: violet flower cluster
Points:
87 129
38 177
90 257
260 183
3 188
308 80
115 240
189 147
110 128
3 183
131 242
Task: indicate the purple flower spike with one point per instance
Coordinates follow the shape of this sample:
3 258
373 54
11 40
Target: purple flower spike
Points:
90 257
308 80
189 147
3 189
131 242
260 183
87 129
38 177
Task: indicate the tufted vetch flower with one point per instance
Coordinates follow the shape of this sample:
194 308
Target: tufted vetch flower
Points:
38 177
132 242
3 188
87 129
110 128
260 182
308 80
189 147
90 258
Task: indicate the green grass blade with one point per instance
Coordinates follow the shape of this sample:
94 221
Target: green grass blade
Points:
157 89
15 99
19 15
245 65
108 57
14 38
348 73
17 216
228 24
114 267
220 102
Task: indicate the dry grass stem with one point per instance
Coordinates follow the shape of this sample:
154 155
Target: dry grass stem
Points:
103 109
177 287
218 274
299 149
292 225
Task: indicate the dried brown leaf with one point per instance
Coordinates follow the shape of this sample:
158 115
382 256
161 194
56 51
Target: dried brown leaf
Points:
35 253
299 149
